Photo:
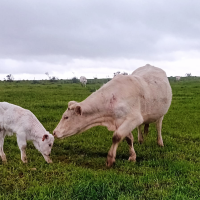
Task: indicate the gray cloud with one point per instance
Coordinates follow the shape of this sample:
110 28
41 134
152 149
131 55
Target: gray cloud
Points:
97 28
56 32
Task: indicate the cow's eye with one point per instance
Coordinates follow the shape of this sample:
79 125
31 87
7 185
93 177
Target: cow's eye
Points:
65 117
50 145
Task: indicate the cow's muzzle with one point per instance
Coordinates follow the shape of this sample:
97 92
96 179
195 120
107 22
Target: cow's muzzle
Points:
54 134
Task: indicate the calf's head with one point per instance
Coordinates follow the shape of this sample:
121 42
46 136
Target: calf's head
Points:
71 122
46 144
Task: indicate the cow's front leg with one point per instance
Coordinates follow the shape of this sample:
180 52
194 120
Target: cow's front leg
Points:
22 146
112 152
122 132
130 140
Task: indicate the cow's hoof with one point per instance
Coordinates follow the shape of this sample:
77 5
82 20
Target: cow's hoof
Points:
110 161
132 158
160 143
140 141
24 161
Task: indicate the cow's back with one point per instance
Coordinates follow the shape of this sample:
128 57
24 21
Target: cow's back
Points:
154 81
156 94
149 70
146 91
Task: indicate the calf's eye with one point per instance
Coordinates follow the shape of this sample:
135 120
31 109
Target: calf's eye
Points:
50 145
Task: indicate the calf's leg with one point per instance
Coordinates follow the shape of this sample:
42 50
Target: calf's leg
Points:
2 154
159 127
21 141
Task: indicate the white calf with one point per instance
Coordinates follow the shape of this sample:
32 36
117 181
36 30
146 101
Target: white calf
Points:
14 119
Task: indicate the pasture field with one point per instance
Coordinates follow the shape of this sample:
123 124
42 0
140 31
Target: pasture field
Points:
79 167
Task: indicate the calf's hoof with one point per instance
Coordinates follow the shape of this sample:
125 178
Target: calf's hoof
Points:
4 160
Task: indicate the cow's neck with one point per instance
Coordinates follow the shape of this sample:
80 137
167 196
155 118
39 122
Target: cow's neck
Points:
98 110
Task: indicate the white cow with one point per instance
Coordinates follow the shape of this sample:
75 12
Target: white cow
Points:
83 80
178 78
14 119
122 104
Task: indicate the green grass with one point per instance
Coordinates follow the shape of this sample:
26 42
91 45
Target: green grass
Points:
79 170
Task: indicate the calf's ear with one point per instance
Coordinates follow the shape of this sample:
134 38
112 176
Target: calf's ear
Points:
45 137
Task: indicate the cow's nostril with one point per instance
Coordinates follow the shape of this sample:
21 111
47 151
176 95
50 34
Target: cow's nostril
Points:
54 133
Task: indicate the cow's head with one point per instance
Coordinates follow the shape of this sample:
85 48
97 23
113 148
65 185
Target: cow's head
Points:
71 122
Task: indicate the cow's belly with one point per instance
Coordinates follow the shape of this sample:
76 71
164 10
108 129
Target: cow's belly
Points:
151 118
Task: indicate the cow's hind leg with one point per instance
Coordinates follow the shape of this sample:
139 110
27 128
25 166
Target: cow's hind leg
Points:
159 127
140 137
122 132
146 129
2 154
130 140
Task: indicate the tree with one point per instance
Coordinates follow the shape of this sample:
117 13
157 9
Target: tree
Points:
123 73
74 80
188 74
48 75
9 78
53 78
116 73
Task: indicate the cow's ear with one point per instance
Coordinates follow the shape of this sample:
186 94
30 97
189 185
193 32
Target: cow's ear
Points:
78 110
45 137
73 106
70 103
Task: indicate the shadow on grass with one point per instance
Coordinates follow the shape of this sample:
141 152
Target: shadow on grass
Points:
95 158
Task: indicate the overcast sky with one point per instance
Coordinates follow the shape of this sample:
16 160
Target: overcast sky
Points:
97 38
